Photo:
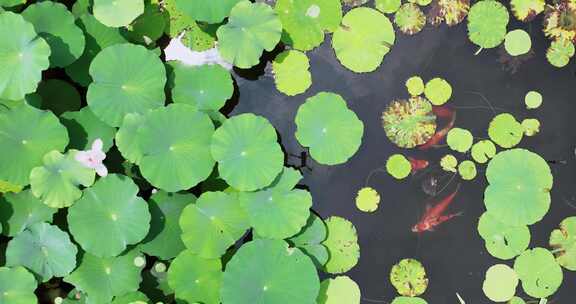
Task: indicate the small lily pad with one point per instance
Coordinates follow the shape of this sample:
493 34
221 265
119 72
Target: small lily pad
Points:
438 91
487 22
342 244
500 283
533 100
505 130
449 163
467 170
483 150
563 240
367 199
398 166
291 73
560 52
310 239
415 85
459 140
531 126
410 19
517 42
502 240
339 290
409 278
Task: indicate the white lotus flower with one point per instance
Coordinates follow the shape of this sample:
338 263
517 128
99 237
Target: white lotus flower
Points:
176 50
93 158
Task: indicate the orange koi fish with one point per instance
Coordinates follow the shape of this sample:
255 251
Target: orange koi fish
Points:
442 112
418 164
434 216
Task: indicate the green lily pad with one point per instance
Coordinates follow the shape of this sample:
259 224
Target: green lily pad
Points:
53 22
58 96
560 52
563 240
415 85
329 128
173 158
306 21
278 211
539 272
56 182
341 289
363 39
519 191
26 135
449 163
487 22
127 79
84 128
459 140
210 12
505 130
438 91
195 279
483 150
342 244
310 239
17 286
367 199
111 205
500 283
127 140
409 123
268 271
409 300
502 240
388 6
409 278
531 126
533 100
44 249
251 29
19 211
117 13
149 26
517 42
291 73
205 87
197 36
20 43
526 10
398 166
410 19
467 170
516 300
220 218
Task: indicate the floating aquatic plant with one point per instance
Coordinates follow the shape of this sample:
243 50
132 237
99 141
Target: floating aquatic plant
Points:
388 6
398 166
342 244
193 278
533 100
560 21
560 52
409 278
409 300
291 73
502 240
340 289
310 240
531 126
563 240
517 42
438 91
449 163
367 199
410 19
17 285
451 12
409 123
117 13
459 140
467 170
500 283
212 12
539 272
415 85
487 22
482 151
526 10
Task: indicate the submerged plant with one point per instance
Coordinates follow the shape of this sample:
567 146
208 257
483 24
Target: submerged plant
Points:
560 21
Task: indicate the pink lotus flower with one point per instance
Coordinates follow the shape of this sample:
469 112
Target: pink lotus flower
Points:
93 158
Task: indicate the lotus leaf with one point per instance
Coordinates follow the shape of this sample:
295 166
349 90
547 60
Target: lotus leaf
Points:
53 22
310 239
17 286
415 85
516 300
127 79
58 96
449 163
502 240
500 283
560 52
329 128
127 139
363 39
487 22
505 131
196 36
398 166
517 42
195 279
409 123
104 278
305 21
210 12
248 154
44 249
367 199
173 158
111 205
564 242
268 271
533 100
84 128
338 290
10 3
410 19
526 10
531 126
388 6
251 29
342 244
450 11
409 278
519 191
205 87
149 26
408 300
467 170
438 91
459 140
220 218
539 272
19 211
20 43
26 135
117 13
291 73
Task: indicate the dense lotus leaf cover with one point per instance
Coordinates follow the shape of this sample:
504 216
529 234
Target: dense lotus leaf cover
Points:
500 283
502 240
539 272
17 286
195 279
564 241
342 244
526 10
310 239
438 91
409 278
451 12
340 289
409 123
84 128
58 96
19 211
206 11
487 22
291 72
409 19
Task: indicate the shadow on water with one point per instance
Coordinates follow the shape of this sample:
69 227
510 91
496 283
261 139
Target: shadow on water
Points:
454 255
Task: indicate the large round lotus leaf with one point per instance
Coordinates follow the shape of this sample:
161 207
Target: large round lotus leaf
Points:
305 21
111 205
487 22
26 135
205 87
195 279
248 154
526 10
533 100
339 290
278 211
23 57
329 128
126 139
560 52
467 170
451 11
220 218
56 182
563 241
409 123
409 278
251 29
17 286
500 283
53 22
175 147
268 271
291 73
519 191
539 272
388 6
310 239
363 39
517 42
483 150
84 128
117 13
410 19
367 199
163 240
459 140
44 249
505 130
342 244
104 278
58 96
409 300
19 211
438 91
207 11
127 79
531 126
415 85
398 166
502 240
449 163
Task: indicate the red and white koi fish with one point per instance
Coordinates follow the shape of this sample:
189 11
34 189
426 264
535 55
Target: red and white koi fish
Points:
435 216
418 164
443 112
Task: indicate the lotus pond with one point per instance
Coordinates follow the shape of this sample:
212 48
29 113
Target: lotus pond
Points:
289 151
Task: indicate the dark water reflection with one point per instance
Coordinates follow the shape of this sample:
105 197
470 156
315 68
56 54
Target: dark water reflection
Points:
454 255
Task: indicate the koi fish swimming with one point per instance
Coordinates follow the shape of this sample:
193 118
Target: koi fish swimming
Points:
434 216
445 113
